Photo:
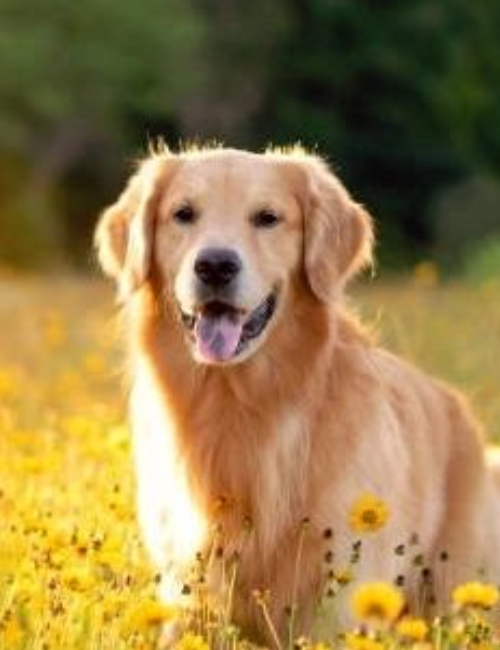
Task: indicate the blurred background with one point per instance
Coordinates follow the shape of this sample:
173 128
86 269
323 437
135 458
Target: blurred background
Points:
402 97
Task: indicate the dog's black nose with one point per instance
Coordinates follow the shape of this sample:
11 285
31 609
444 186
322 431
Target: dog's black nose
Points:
217 267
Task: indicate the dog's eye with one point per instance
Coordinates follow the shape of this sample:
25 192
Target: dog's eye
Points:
265 219
184 215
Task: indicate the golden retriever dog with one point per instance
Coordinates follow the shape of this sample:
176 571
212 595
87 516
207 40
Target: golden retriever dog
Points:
256 397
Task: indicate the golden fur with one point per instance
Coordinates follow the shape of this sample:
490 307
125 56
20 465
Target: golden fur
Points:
313 417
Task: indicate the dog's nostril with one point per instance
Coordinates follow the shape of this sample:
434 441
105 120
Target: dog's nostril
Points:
216 266
202 268
228 268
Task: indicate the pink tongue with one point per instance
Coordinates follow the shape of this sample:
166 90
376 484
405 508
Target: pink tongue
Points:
217 337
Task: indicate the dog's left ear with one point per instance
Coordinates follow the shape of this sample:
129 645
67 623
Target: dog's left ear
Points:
124 235
338 233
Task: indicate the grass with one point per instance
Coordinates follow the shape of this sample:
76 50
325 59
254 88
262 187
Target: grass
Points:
73 574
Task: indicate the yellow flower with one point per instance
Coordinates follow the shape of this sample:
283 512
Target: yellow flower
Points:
414 629
113 605
56 539
150 612
368 514
112 559
78 579
190 641
377 601
355 641
12 633
475 594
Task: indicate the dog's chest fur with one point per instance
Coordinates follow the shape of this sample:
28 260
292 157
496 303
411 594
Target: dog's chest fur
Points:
234 446
237 469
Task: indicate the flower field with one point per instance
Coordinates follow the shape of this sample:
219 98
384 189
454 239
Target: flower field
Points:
73 575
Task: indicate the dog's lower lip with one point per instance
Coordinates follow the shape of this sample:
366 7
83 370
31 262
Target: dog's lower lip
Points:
258 320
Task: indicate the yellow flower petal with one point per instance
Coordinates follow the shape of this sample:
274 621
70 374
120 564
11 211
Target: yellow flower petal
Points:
150 612
414 629
369 514
476 594
377 601
190 641
355 641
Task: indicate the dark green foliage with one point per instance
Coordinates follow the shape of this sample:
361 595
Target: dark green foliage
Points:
399 95
466 217
402 97
77 80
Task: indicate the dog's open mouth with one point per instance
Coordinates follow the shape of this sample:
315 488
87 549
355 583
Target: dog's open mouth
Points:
221 332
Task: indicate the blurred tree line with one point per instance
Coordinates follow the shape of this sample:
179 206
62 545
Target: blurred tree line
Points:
403 97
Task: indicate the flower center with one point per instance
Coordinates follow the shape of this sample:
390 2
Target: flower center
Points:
370 517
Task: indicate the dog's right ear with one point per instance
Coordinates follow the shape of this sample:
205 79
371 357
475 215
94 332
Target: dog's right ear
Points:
125 232
338 232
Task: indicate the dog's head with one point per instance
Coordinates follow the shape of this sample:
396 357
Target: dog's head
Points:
235 238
